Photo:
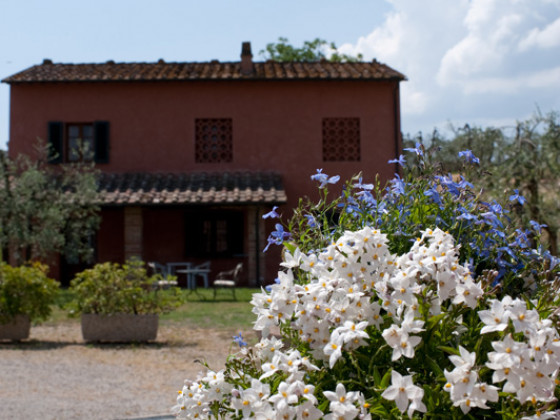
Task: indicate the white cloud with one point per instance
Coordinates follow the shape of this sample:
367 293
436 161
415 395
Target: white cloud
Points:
547 37
470 60
384 41
417 102
492 29
536 80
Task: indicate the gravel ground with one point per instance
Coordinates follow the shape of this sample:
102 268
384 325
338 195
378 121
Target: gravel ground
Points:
55 375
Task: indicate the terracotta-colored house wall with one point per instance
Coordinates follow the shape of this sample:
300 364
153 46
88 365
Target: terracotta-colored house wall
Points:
276 125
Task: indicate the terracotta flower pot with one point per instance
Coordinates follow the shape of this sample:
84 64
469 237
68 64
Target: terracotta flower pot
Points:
119 328
17 329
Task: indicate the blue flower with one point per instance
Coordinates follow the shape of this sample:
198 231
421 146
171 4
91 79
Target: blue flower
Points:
516 197
397 185
465 214
521 239
507 250
366 197
400 161
239 340
492 219
434 195
464 183
361 186
311 222
537 227
277 236
496 208
324 179
469 157
448 183
419 149
272 214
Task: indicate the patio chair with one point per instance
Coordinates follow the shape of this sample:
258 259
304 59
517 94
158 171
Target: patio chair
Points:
162 270
227 280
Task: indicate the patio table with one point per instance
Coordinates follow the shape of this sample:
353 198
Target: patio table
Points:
192 273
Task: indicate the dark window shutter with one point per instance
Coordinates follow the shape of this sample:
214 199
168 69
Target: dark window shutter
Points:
101 135
55 142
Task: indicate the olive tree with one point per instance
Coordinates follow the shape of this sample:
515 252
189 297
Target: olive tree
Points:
47 209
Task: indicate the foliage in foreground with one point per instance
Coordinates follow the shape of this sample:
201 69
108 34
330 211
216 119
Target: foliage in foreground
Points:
111 288
26 290
420 300
367 333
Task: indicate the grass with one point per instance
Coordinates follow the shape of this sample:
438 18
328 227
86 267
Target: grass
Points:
199 310
202 311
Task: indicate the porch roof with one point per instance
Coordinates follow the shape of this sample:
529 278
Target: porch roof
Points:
191 188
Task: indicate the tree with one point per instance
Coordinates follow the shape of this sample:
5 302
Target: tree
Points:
311 51
47 209
519 167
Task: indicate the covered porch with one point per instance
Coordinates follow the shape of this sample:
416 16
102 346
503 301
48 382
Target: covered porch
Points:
191 218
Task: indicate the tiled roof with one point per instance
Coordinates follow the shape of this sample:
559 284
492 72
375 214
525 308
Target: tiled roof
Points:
191 188
214 70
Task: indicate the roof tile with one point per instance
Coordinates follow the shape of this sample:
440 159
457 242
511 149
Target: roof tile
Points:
269 70
191 188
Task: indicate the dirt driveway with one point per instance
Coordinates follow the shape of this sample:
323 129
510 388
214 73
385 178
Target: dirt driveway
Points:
55 375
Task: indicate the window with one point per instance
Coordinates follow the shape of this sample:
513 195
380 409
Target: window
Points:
213 140
341 139
79 146
78 142
214 233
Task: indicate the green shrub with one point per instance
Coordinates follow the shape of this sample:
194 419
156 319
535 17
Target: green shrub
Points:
26 290
111 288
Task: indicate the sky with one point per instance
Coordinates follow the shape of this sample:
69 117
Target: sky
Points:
481 62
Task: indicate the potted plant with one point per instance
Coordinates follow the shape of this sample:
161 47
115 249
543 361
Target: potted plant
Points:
120 303
26 295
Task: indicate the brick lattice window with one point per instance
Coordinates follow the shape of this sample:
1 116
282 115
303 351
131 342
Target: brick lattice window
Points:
341 139
213 140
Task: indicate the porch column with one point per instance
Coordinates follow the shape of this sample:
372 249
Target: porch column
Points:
133 226
255 263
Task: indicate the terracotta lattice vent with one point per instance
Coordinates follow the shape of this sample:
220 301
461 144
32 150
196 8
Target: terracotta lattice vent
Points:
341 139
213 140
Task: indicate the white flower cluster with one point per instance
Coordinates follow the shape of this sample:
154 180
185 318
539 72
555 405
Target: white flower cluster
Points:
529 367
354 281
294 398
353 286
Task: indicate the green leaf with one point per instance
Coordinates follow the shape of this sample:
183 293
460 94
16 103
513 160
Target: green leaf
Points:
386 378
376 377
449 350
434 320
434 366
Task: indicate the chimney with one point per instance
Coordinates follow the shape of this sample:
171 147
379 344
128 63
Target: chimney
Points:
246 59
